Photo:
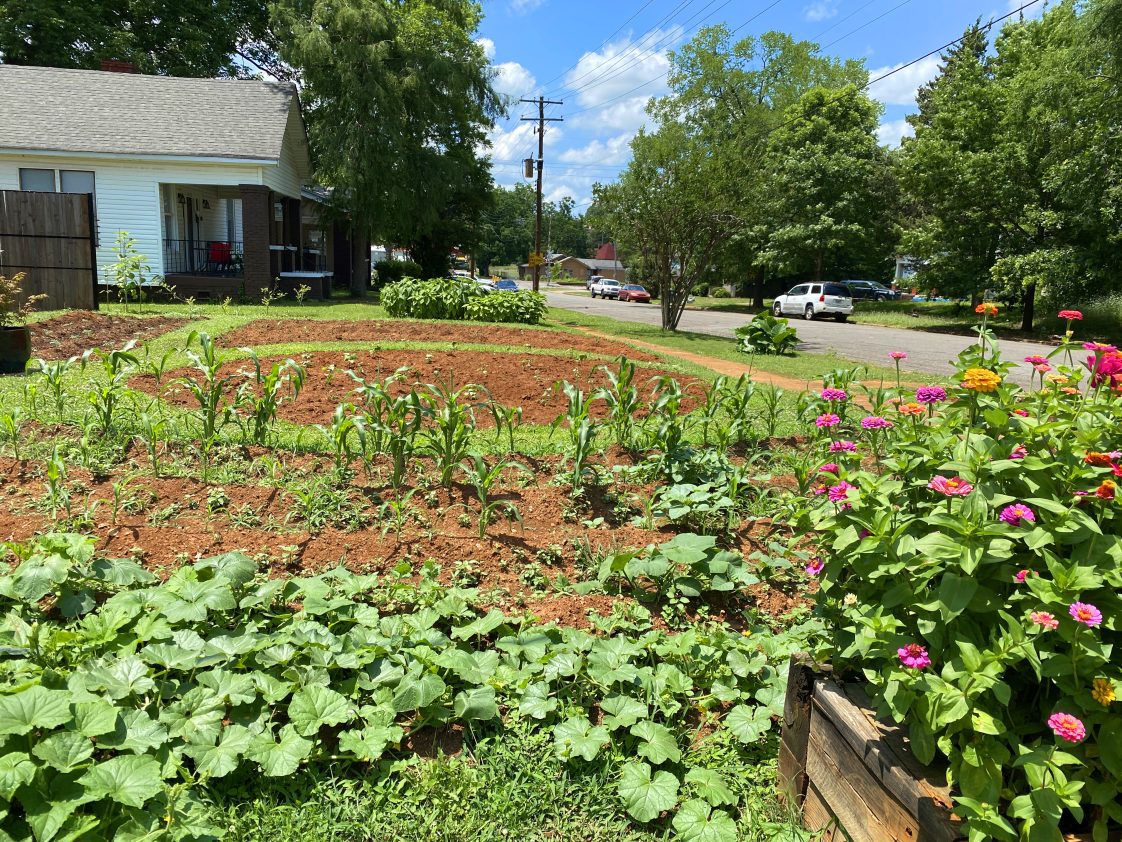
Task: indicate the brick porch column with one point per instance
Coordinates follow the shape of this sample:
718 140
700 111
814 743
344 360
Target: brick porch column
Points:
257 210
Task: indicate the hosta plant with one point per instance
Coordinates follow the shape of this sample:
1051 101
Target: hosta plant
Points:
973 577
767 334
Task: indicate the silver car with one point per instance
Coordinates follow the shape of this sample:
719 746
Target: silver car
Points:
813 300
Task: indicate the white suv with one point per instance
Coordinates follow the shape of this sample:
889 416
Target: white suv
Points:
810 300
605 288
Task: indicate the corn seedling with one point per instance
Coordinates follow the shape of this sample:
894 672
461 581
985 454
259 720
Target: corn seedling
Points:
262 395
208 387
53 374
451 424
506 418
341 432
482 478
58 495
11 428
116 366
772 414
622 399
395 513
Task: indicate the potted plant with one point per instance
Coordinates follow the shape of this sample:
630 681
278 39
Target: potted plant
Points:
15 338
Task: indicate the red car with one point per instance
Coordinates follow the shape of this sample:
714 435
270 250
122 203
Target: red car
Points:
633 292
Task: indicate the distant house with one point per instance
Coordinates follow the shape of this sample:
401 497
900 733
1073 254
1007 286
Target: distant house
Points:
208 175
579 267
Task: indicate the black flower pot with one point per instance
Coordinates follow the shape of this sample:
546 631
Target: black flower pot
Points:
15 349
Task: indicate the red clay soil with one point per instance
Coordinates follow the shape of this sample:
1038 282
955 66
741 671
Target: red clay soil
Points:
277 332
71 334
170 524
510 379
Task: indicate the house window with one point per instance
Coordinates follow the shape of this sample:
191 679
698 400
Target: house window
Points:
76 181
37 181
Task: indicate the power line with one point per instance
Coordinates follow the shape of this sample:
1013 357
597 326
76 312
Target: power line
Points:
840 21
867 23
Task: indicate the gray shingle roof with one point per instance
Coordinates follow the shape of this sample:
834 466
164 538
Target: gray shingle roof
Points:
47 108
595 263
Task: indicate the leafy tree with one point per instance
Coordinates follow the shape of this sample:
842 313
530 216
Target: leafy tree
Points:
397 97
172 37
830 192
667 207
508 227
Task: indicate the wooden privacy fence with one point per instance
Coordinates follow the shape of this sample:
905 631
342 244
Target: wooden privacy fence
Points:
52 238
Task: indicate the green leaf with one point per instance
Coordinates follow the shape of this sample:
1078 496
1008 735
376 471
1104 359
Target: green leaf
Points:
748 723
48 809
280 758
623 711
94 718
646 796
38 576
135 731
16 769
121 677
578 737
368 743
658 744
197 717
478 703
314 706
955 593
35 707
417 693
219 760
1110 746
128 779
696 822
709 785
64 750
481 626
536 701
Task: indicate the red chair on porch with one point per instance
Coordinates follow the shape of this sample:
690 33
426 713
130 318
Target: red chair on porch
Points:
219 257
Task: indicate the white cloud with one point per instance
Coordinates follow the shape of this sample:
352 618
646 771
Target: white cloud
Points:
625 115
890 133
521 7
615 150
821 10
900 88
513 79
623 66
519 141
488 46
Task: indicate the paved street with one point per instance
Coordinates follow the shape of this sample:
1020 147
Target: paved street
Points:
929 353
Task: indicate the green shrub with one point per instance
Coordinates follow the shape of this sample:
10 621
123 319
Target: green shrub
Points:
766 334
522 306
719 292
973 577
438 298
392 271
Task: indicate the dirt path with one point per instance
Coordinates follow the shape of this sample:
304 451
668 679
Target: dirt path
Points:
726 367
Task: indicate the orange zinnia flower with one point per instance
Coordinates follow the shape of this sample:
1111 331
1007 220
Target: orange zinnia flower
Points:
980 380
911 408
1099 460
1107 489
986 309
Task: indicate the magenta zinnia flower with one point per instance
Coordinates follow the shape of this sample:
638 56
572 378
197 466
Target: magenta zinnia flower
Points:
839 492
843 446
1085 613
829 468
914 656
1045 619
950 486
1067 727
1036 359
814 566
931 394
1013 515
1099 346
875 422
1070 315
898 355
1020 576
1019 452
827 419
834 395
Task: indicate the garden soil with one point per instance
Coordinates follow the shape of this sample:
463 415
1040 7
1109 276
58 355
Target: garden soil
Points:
279 332
509 379
74 333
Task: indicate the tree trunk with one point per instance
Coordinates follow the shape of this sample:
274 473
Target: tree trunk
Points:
1028 307
819 261
758 288
360 263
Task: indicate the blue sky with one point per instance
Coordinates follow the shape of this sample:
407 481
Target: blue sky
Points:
605 59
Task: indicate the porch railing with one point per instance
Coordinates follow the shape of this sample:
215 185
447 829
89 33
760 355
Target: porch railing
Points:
220 258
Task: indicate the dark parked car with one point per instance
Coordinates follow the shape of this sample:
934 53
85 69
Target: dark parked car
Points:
506 285
633 292
871 291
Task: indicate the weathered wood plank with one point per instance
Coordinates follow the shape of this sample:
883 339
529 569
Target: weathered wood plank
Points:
818 818
796 728
922 797
863 806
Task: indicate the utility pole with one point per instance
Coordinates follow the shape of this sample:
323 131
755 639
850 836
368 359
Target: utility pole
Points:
541 102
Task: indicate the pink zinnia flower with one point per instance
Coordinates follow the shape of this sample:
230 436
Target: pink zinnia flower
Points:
1099 346
950 486
843 447
814 566
1013 515
1021 412
1036 359
898 355
1085 613
875 422
827 419
839 492
864 533
1020 576
931 394
1067 727
914 656
1043 618
834 395
1070 315
1042 368
1019 452
829 468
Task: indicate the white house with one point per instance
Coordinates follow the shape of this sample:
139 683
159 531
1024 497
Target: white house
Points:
208 175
